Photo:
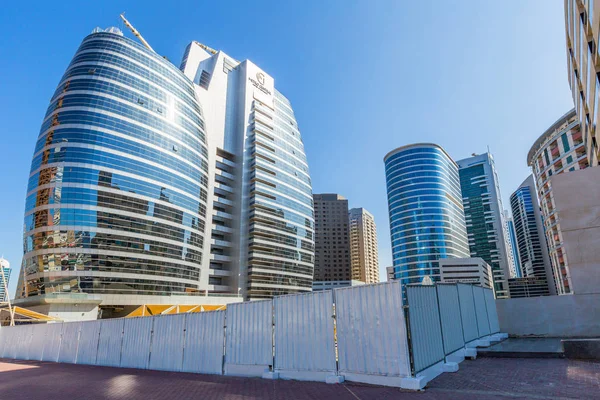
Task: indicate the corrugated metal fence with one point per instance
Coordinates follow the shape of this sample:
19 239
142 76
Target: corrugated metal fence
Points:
443 318
360 333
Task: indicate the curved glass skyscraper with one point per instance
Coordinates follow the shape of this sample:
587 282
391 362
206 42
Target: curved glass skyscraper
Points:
427 219
116 201
135 189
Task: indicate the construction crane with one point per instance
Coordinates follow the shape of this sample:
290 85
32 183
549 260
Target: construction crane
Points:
136 33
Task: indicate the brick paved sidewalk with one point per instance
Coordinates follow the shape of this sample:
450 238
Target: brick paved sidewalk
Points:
494 378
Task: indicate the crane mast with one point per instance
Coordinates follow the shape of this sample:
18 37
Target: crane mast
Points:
136 33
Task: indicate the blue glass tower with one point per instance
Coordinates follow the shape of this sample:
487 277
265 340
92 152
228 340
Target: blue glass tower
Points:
116 201
427 220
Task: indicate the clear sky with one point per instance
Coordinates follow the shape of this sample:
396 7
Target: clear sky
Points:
364 77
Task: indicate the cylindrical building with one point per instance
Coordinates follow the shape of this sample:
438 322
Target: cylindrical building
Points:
427 220
116 202
559 149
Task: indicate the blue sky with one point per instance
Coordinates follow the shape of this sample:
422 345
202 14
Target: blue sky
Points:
364 77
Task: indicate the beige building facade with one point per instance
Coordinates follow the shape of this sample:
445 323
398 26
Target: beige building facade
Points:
582 23
364 252
559 149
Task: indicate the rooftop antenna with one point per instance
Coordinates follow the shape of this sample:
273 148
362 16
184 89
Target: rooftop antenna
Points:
136 33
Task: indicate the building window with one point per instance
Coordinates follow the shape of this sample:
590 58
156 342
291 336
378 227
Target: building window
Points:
565 141
569 159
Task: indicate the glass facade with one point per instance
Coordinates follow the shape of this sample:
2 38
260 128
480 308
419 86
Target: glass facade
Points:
281 222
483 215
427 219
531 243
116 201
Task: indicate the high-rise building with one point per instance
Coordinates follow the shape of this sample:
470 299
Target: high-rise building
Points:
332 238
261 194
529 229
513 253
150 181
483 215
427 220
364 253
5 267
559 149
583 46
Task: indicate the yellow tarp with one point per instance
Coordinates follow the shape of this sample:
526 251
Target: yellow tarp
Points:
147 310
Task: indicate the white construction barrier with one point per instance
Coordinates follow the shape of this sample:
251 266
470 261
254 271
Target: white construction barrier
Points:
450 318
292 337
87 351
69 343
204 343
483 325
467 311
371 335
135 351
168 338
304 341
249 331
109 342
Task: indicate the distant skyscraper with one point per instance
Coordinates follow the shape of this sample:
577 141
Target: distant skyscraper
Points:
559 149
332 238
148 180
364 251
5 266
529 229
483 215
583 42
427 220
514 263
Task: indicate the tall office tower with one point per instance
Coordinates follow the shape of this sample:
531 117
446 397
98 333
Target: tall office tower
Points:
513 253
427 220
559 149
332 238
148 182
531 242
364 252
5 267
583 46
483 215
261 194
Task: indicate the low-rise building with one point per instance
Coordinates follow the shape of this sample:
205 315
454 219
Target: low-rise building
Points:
466 270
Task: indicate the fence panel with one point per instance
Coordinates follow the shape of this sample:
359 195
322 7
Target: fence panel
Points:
87 350
204 342
467 312
490 303
371 332
452 331
109 342
38 338
481 310
137 335
425 329
69 343
24 340
168 338
3 336
304 336
52 342
249 344
6 341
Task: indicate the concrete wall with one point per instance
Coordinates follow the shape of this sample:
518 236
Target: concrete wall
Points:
577 200
551 316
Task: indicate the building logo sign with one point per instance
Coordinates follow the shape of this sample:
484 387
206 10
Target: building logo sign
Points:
259 83
260 77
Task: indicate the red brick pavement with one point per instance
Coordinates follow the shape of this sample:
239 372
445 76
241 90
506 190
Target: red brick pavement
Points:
491 378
